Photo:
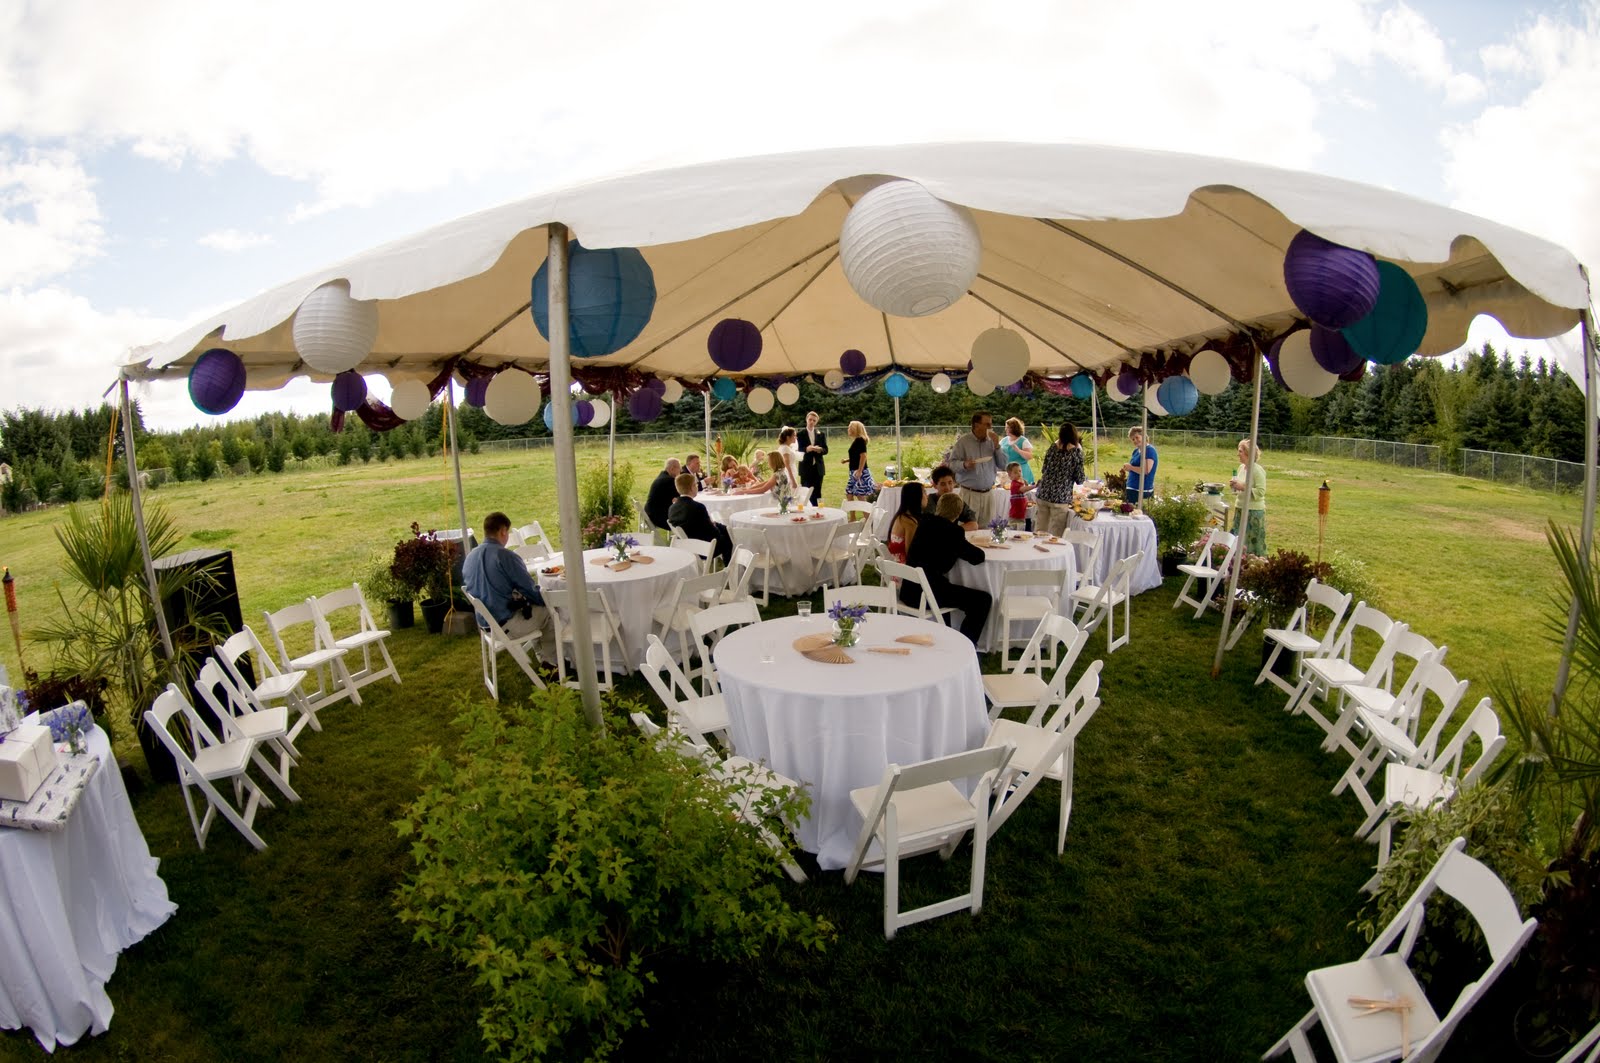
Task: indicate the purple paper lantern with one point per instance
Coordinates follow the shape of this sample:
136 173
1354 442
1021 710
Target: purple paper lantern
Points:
735 344
644 405
349 391
1332 351
216 383
1333 285
1128 382
853 362
583 412
478 390
1272 360
656 384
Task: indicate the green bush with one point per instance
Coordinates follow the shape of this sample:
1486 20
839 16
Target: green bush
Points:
604 504
1351 575
1179 520
558 862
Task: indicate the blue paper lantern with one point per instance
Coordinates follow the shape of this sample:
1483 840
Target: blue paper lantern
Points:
1082 386
724 389
853 362
734 344
1332 351
611 294
1332 284
1391 333
549 419
896 386
478 390
1178 395
644 405
349 391
550 411
216 383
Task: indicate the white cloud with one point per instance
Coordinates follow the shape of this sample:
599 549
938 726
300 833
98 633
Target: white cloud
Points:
57 351
49 218
233 240
1409 41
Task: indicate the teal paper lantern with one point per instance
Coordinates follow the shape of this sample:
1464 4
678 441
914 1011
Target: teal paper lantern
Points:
724 389
1393 331
896 386
1082 386
611 294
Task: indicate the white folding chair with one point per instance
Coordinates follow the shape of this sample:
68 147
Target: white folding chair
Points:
923 475
710 625
241 717
929 607
1044 750
1296 638
863 509
687 710
1325 673
271 686
688 597
741 565
493 640
1359 703
366 637
917 809
704 549
214 761
647 525
604 632
1210 576
763 558
1027 596
1383 974
1587 1050
1029 684
1099 603
1388 742
878 599
325 664
837 554
1086 552
532 535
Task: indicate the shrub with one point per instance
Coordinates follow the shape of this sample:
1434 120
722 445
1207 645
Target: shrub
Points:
558 861
602 497
421 565
739 442
1351 576
1279 582
1179 520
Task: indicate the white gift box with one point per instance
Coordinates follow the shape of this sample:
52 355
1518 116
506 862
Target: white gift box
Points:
27 757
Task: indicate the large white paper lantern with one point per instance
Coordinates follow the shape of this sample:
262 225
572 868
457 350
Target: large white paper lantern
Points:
759 400
1299 367
1113 392
1210 372
333 332
1001 355
410 399
833 379
1153 403
940 383
673 393
788 393
978 385
512 399
907 252
602 414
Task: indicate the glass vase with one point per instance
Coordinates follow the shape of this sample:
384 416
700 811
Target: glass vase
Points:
845 633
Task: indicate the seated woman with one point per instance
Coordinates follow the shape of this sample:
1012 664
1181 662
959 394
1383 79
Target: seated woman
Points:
774 471
733 471
904 527
758 465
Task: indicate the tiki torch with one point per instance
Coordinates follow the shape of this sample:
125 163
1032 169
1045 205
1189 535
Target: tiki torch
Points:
1324 503
11 611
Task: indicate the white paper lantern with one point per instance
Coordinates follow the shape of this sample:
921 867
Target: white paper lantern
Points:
907 252
940 383
1152 403
788 393
978 385
1114 391
833 379
759 400
1001 355
673 393
513 398
1210 373
1299 368
410 399
602 414
333 332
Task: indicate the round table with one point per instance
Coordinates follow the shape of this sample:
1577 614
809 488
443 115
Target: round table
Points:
721 507
1121 537
70 901
632 593
795 543
997 561
835 727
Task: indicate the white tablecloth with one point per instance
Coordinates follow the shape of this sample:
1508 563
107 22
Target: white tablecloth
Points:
797 545
989 575
721 507
1121 537
70 901
633 593
835 727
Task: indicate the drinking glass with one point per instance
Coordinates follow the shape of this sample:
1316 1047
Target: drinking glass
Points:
802 609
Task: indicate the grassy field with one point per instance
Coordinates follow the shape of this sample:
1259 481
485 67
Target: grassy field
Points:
1207 869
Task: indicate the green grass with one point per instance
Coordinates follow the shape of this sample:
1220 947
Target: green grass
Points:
1207 868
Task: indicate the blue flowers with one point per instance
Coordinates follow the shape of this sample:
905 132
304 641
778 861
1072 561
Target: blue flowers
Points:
69 724
621 544
852 613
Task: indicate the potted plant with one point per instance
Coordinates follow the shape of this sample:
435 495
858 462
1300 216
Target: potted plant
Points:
422 565
381 585
1274 587
1179 520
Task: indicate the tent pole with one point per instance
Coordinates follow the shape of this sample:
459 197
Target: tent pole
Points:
567 478
455 458
707 451
1144 431
1244 522
1591 445
897 435
611 460
144 537
1094 429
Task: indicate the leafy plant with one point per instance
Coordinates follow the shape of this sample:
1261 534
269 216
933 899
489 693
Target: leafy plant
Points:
380 584
602 496
739 442
421 564
1116 483
559 862
58 688
1352 576
1179 520
1278 583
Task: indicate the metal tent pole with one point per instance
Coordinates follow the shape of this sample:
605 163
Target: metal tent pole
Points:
897 436
1144 432
707 451
455 458
1591 443
1244 521
567 478
1094 429
144 537
611 458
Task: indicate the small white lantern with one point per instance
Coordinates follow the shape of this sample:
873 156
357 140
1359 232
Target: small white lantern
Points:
833 379
333 332
759 400
978 385
673 393
907 252
1152 403
602 414
1299 367
940 383
1113 392
1210 372
1001 355
410 399
513 398
788 393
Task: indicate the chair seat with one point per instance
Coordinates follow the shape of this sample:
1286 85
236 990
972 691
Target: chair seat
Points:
1358 1036
1199 571
1032 746
1415 787
927 812
224 761
359 640
1088 592
1293 641
279 686
1026 606
1375 700
1333 671
674 616
316 659
707 715
263 724
1396 741
1012 688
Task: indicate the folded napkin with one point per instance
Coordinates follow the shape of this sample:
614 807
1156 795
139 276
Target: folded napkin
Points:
996 546
642 559
619 566
916 640
899 651
601 560
1041 549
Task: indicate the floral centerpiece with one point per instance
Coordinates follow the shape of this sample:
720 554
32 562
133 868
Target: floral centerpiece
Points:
619 544
71 725
727 485
845 619
782 493
998 527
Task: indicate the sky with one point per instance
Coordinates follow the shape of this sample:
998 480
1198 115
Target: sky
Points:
163 160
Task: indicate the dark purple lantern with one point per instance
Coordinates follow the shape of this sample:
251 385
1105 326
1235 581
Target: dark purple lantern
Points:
735 344
656 384
1333 285
478 390
644 405
853 362
216 383
1128 382
349 391
582 412
1332 351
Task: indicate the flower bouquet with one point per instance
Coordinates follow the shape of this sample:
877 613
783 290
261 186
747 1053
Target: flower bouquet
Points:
998 527
71 725
782 493
845 619
619 544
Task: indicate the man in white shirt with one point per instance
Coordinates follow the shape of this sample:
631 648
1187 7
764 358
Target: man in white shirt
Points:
976 458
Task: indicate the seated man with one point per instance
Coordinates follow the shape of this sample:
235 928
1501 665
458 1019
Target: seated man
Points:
938 545
944 483
691 515
663 490
692 464
498 578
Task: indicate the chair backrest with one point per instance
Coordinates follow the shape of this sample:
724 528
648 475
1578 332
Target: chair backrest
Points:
715 622
645 523
741 566
974 763
879 599
1214 538
532 534
241 644
857 507
324 606
1410 697
701 548
488 626
282 620
220 692
1443 685
664 675
1120 577
1323 596
1080 702
912 574
560 605
169 703
1053 580
1365 618
1484 724
696 589
1480 891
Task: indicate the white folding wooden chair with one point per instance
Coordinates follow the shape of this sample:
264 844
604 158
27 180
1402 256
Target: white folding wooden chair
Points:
687 709
657 535
324 664
864 510
241 717
1099 603
1027 596
741 566
763 558
1359 703
837 554
366 637
1296 638
604 632
1324 674
1030 683
532 535
1209 576
710 625
214 761
1383 974
929 608
1388 742
493 641
1587 1050
1085 552
918 808
704 549
672 616
877 599
271 685
1044 750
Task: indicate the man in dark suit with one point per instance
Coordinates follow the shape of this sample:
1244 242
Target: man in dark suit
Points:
663 489
690 514
813 447
938 545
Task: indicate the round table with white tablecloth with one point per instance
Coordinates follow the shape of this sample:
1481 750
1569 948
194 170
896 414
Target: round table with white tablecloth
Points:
796 542
1122 537
835 727
632 593
1031 552
721 506
70 901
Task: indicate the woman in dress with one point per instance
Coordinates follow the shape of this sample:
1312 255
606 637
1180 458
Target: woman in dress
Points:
774 471
859 488
791 460
904 527
1016 448
1062 471
1255 540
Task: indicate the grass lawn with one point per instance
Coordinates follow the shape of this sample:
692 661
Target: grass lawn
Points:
1207 868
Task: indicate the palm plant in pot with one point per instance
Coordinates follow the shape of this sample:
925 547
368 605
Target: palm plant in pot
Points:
1274 587
421 566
